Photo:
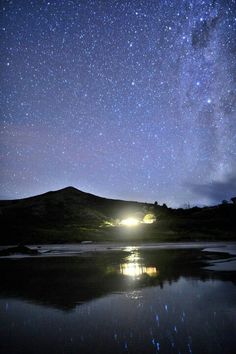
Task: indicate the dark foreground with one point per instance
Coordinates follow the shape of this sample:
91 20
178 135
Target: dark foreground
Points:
130 300
72 216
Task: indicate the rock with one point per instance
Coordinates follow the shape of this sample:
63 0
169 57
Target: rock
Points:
20 249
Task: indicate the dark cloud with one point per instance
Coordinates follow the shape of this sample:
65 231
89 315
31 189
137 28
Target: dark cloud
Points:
228 102
217 190
201 35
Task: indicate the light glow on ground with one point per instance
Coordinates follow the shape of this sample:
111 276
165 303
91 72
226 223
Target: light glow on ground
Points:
130 222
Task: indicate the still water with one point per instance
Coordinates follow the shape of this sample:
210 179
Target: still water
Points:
130 301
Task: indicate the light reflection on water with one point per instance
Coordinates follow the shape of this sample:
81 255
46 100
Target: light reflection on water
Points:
187 317
111 303
134 267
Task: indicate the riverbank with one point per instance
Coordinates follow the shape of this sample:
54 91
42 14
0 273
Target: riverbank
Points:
58 250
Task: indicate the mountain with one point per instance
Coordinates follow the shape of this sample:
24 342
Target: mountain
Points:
70 215
68 205
66 211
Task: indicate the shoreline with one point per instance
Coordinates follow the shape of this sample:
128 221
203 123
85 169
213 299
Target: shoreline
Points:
65 250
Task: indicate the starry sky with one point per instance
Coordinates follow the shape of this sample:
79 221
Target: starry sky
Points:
124 99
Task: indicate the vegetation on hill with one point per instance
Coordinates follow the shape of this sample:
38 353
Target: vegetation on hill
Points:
69 215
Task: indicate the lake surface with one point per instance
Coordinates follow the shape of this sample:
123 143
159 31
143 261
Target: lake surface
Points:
120 300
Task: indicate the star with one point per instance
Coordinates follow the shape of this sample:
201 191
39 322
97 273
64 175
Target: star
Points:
102 96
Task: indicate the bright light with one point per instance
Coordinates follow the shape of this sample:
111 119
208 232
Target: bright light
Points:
130 222
149 219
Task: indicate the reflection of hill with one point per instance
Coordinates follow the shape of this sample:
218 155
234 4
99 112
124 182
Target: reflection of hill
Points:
64 282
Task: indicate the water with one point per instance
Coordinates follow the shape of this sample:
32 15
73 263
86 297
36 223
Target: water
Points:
131 301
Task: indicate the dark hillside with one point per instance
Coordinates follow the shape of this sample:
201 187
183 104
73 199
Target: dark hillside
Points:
60 211
70 215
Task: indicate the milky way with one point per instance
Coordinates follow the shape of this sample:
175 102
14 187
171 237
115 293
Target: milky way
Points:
124 99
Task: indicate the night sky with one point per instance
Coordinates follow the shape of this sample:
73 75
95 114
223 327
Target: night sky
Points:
123 99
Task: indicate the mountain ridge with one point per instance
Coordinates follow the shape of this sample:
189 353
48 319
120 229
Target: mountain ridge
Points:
71 215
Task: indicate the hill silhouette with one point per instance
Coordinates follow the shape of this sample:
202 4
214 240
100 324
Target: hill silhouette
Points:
70 215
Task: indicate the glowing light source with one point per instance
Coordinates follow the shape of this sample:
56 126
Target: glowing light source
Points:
149 219
130 222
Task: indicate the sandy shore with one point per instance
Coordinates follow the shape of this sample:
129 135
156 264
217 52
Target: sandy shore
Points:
51 250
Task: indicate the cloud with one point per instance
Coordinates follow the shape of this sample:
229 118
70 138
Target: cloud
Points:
201 35
216 191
